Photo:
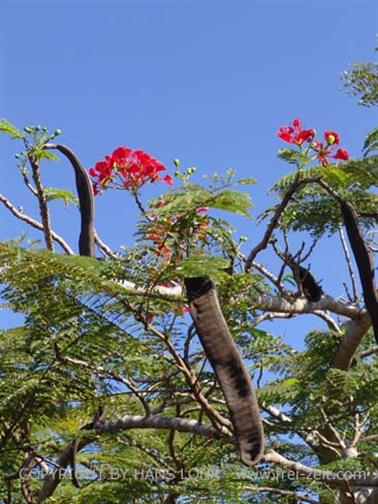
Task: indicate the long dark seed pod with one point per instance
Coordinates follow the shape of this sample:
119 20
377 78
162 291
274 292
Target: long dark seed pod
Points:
86 200
364 261
232 374
73 454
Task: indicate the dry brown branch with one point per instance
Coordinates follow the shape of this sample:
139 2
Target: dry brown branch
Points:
35 224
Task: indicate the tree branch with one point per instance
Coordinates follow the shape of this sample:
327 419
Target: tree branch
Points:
53 479
274 221
355 331
103 247
214 415
101 371
329 320
35 224
302 305
349 263
155 422
370 351
43 209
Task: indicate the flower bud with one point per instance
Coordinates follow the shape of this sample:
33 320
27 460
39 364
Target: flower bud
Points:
57 132
28 129
176 162
331 139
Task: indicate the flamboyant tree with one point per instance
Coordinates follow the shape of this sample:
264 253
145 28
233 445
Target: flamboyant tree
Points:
130 378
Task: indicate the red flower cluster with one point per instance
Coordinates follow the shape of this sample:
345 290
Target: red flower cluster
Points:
296 135
132 169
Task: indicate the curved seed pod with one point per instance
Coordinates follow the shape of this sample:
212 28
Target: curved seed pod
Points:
73 454
364 260
232 374
86 200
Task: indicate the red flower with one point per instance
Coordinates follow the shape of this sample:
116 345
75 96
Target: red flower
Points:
168 180
132 168
341 154
331 137
325 152
120 155
295 134
95 188
322 152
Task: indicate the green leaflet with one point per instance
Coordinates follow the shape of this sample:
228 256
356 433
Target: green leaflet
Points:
247 181
196 266
64 195
348 175
314 210
44 154
293 157
9 129
371 142
193 196
232 201
277 390
258 333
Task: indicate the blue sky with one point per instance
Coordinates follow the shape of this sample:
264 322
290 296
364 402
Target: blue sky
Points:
206 82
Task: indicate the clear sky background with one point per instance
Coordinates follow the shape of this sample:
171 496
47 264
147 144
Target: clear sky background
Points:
208 82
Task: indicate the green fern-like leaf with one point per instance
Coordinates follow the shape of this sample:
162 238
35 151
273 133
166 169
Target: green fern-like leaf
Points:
371 142
313 209
232 201
9 129
61 194
202 265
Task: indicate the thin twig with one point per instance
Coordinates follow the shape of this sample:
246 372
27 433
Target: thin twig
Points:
370 351
29 185
288 493
349 263
104 247
331 323
218 420
101 371
264 271
274 221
